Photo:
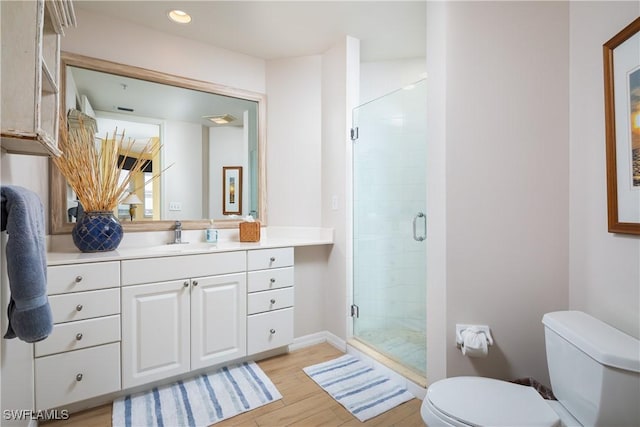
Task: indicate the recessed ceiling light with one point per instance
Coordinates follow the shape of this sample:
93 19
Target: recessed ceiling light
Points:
220 120
179 16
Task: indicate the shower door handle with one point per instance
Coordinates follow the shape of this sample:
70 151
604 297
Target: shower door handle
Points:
415 220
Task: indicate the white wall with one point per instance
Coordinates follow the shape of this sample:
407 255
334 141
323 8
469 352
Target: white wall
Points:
436 315
294 175
505 133
31 172
378 78
293 139
340 74
604 267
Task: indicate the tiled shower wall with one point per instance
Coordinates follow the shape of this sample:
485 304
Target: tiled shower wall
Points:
389 190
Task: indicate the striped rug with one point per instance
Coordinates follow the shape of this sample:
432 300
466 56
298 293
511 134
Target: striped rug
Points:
362 390
200 401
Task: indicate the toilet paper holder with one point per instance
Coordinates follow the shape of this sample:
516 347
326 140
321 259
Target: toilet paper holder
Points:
481 328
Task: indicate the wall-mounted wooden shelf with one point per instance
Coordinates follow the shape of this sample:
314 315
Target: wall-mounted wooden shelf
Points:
31 33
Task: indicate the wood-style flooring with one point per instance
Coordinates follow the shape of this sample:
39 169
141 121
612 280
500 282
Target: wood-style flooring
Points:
303 402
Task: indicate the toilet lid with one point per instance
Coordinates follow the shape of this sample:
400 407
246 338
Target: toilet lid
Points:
480 401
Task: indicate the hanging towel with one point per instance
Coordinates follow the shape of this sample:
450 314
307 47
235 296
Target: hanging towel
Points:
29 313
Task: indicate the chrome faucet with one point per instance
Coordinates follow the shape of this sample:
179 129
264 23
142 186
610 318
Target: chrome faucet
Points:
177 236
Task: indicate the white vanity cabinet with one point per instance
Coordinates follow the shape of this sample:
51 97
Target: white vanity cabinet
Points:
31 73
218 319
126 322
155 341
81 357
270 299
195 320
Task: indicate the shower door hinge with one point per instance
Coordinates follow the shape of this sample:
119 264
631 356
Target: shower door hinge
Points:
355 311
354 133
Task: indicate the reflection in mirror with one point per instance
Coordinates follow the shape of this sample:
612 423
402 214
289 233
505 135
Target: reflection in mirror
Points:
203 129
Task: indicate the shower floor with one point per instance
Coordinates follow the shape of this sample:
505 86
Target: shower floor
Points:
405 346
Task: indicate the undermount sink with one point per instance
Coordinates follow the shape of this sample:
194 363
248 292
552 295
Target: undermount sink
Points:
184 247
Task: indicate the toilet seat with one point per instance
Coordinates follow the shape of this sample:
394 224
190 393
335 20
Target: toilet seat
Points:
476 401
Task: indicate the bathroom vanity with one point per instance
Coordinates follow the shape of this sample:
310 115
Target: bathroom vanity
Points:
134 317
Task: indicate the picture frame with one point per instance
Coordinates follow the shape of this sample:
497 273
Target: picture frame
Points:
621 57
232 190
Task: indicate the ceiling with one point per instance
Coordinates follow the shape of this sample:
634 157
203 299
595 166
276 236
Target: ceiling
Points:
281 29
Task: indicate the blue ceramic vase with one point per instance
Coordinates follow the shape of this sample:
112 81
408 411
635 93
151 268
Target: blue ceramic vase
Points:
97 231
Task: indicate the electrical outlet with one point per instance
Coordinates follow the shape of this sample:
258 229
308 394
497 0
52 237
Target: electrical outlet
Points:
334 202
175 206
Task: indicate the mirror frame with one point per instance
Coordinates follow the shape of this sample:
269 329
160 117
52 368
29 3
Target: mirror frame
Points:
57 183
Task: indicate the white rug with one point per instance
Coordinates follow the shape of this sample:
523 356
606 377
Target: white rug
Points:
361 389
200 401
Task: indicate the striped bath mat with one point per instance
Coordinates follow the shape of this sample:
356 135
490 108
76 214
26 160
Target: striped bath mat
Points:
200 401
361 389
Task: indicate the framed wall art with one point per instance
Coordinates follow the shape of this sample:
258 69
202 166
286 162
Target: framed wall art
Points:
232 190
622 124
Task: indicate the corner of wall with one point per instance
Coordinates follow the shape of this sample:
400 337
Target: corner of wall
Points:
340 84
436 191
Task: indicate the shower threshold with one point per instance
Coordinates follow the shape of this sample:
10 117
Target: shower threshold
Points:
390 362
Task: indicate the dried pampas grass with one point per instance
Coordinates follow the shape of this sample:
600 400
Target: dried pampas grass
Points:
94 173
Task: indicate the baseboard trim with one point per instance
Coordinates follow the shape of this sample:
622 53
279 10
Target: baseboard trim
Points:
308 341
318 338
336 341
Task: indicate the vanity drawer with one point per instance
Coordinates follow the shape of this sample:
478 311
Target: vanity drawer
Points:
269 330
82 277
276 299
261 259
77 375
81 334
164 269
265 280
84 305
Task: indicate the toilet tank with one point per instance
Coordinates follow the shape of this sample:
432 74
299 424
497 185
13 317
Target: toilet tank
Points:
594 369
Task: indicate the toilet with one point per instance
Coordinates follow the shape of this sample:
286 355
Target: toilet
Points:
594 371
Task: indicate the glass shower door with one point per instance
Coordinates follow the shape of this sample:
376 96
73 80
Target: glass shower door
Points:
389 225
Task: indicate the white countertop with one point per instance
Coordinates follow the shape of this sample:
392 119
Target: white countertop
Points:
146 245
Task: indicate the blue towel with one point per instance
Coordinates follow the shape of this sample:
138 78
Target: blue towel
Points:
29 313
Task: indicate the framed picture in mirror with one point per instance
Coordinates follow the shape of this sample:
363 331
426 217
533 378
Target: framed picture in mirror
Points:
622 122
232 190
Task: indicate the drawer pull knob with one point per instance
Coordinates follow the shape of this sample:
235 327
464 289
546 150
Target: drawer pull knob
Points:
272 280
272 259
273 301
273 331
78 337
195 283
186 284
78 279
79 377
79 307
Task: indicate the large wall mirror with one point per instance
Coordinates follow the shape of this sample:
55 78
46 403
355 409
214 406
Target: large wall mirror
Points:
212 137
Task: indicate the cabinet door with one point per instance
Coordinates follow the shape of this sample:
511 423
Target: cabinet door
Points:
155 335
218 319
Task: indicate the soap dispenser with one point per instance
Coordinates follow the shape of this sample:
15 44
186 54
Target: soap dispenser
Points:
211 234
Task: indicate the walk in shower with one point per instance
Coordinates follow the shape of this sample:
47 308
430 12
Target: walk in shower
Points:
389 226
